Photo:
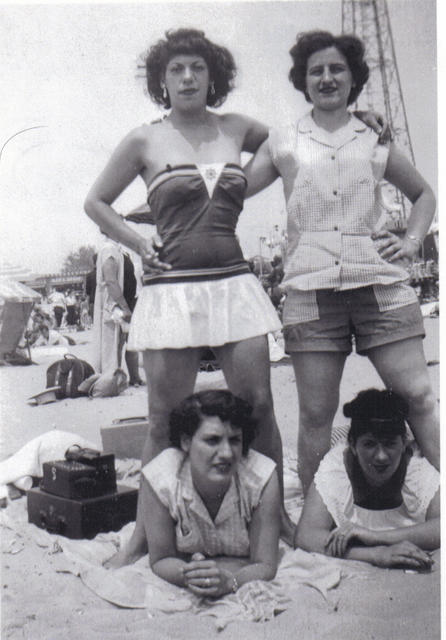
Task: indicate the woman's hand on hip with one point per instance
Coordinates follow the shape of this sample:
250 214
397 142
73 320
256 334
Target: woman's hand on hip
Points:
206 579
339 539
404 555
149 250
392 248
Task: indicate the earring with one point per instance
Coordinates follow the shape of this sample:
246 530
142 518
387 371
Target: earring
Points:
212 88
164 92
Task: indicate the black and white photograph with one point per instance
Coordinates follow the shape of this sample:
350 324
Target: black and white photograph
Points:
219 320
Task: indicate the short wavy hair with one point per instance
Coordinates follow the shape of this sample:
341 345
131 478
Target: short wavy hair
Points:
351 47
380 412
221 65
185 419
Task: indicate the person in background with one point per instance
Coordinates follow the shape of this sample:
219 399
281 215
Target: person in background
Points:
374 499
70 302
84 309
57 300
90 285
343 277
210 503
114 301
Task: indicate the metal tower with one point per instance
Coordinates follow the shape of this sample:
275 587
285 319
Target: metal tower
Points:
369 20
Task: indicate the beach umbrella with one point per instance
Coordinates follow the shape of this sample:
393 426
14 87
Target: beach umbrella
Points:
16 302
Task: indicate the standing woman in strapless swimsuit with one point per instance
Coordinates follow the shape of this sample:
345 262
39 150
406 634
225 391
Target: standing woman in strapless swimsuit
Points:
199 290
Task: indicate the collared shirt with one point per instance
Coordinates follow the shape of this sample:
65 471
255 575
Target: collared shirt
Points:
169 475
331 183
333 485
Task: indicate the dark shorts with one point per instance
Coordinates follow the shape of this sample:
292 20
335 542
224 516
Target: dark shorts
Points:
353 313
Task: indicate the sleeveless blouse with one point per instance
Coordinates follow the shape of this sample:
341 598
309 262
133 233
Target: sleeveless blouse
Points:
169 475
333 485
331 185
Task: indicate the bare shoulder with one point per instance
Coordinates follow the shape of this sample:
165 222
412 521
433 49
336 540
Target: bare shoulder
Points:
240 122
251 132
140 142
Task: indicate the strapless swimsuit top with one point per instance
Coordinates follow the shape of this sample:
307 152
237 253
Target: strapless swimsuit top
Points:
196 209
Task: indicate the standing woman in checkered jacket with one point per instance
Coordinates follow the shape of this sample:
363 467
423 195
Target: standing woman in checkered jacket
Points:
343 278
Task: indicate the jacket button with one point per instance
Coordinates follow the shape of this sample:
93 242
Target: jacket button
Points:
336 228
335 193
333 157
336 262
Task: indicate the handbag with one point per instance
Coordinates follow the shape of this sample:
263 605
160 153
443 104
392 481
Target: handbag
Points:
105 385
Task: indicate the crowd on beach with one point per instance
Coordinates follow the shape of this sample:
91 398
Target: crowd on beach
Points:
211 500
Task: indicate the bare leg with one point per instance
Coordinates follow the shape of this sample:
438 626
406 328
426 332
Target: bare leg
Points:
170 375
131 360
402 367
318 377
246 368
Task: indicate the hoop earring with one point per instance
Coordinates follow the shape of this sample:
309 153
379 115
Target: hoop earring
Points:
212 88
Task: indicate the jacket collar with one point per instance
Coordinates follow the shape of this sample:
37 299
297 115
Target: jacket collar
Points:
190 496
337 139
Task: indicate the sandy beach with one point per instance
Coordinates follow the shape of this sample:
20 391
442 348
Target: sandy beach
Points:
40 603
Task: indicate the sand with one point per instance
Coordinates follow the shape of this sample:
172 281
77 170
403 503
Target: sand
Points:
40 604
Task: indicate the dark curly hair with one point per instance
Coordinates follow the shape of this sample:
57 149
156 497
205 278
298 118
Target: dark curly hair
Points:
380 412
221 65
351 48
187 417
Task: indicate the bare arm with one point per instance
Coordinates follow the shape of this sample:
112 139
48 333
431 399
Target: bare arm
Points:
425 535
315 523
125 164
403 175
260 170
315 533
264 536
160 533
256 133
122 168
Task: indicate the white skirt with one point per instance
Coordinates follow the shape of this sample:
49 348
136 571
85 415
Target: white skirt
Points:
207 313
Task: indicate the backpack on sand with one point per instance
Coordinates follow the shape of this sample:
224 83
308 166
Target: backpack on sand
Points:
67 374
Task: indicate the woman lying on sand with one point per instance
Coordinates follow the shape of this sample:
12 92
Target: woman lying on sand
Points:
211 504
374 500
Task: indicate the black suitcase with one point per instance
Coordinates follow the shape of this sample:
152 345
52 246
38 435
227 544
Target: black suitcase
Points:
73 479
82 518
104 463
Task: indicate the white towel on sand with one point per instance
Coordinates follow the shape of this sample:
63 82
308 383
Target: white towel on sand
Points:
29 459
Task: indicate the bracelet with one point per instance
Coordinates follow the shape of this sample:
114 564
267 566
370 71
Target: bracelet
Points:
415 239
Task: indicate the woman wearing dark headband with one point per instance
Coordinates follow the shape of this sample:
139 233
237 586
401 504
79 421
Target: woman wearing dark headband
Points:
374 499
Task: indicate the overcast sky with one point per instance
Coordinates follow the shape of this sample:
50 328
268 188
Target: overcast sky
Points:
73 69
